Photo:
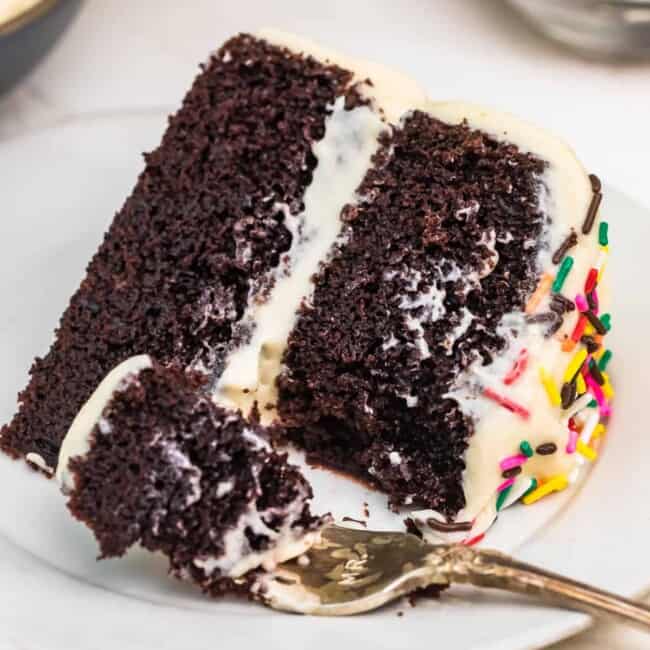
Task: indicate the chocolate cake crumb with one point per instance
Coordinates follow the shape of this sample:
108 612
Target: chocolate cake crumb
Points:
177 474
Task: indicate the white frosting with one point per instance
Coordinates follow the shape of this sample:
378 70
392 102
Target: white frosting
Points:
38 460
343 156
77 439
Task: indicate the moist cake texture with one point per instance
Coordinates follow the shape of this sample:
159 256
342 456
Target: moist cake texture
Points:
153 461
202 225
411 291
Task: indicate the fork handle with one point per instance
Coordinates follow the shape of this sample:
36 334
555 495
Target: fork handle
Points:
484 568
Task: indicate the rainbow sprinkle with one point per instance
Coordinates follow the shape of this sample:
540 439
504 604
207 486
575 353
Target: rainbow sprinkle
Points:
518 368
606 320
533 487
526 449
502 496
586 451
604 359
599 431
581 303
507 403
512 461
603 235
473 540
575 364
542 289
554 484
591 281
607 389
508 483
573 441
563 271
550 387
599 396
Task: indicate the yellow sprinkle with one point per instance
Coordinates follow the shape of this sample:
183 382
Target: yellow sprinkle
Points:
554 484
575 364
598 353
550 386
599 431
586 450
608 391
581 387
589 329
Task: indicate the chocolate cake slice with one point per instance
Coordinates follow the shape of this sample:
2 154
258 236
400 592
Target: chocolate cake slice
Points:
410 291
150 460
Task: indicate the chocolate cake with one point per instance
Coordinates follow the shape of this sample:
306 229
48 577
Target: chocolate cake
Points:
410 291
151 460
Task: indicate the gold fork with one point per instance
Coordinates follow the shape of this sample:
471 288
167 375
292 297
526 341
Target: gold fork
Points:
353 571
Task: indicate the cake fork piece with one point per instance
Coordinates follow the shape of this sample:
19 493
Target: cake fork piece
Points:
353 571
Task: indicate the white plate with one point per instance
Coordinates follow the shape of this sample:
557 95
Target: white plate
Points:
59 190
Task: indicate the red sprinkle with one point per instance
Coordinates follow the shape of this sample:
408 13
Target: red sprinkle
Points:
518 368
474 540
579 329
591 281
507 403
572 424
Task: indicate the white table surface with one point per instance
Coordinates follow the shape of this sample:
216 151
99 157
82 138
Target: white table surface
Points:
125 54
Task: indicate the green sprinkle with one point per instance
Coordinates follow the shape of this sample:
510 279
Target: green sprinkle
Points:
563 271
606 320
593 404
603 238
526 449
604 360
503 495
533 486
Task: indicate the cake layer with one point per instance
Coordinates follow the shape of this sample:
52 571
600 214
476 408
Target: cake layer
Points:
210 216
151 460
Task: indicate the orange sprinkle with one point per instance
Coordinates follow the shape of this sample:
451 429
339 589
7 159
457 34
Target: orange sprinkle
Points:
542 289
568 345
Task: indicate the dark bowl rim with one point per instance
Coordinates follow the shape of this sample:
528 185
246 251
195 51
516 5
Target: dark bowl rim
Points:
27 16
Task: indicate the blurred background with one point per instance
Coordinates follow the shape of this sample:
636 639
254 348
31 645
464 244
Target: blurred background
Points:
580 68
